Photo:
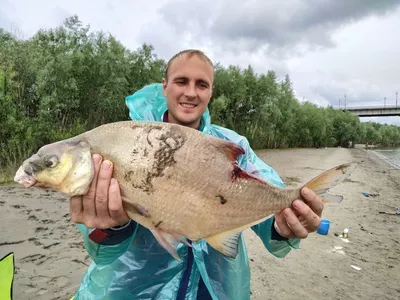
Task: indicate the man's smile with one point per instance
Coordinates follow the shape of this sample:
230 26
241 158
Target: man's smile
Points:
188 105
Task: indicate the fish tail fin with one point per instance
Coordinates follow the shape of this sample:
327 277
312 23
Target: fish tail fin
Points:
328 179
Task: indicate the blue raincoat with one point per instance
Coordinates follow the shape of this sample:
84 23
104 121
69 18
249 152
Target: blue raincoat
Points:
137 267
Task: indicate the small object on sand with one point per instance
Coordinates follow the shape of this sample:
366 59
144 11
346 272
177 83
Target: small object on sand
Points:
370 195
339 250
324 227
397 212
355 267
346 233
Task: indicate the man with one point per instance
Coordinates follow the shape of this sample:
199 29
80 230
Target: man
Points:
128 263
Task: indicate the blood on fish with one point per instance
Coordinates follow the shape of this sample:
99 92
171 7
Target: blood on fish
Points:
237 172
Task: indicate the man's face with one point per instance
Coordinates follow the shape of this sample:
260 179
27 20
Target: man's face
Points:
188 90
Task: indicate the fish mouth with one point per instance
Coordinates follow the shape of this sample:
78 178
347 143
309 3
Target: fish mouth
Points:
25 179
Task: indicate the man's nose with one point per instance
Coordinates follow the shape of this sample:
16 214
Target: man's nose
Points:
190 90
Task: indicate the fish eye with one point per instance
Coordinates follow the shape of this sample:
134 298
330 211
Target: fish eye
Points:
50 161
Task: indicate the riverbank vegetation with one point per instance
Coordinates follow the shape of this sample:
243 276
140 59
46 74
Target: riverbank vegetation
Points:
67 80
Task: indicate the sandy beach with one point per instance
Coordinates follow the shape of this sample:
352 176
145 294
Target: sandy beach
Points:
50 259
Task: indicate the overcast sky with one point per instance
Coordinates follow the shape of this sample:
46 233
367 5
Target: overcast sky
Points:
329 48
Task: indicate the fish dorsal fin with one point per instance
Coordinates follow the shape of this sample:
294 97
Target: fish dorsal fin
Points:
228 242
232 150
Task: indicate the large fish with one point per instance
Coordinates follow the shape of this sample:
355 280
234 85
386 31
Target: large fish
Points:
177 182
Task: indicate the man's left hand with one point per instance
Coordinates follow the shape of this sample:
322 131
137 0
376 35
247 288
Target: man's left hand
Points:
302 218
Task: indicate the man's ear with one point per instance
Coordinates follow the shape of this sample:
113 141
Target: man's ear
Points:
164 87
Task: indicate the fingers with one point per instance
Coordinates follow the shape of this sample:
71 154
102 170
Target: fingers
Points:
309 218
89 207
294 224
283 227
303 218
115 207
103 184
76 209
313 201
101 207
297 223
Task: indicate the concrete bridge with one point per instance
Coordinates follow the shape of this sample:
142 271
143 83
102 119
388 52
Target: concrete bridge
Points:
374 111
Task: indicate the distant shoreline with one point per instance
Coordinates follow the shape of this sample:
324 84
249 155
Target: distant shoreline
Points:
384 158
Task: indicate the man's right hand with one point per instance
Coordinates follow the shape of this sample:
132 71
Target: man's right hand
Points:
101 207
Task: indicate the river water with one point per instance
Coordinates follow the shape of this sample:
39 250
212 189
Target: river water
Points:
392 155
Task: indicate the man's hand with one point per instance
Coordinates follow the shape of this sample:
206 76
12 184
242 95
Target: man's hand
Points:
101 207
302 219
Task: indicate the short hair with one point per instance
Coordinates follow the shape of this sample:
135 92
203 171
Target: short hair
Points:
188 53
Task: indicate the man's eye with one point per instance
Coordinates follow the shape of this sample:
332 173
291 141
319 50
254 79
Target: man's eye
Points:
203 85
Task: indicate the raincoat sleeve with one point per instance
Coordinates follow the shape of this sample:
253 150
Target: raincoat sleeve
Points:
254 165
111 248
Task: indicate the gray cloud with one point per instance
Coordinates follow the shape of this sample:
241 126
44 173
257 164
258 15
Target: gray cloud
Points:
291 26
357 93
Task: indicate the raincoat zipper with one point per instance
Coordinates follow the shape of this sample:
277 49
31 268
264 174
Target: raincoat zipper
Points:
186 275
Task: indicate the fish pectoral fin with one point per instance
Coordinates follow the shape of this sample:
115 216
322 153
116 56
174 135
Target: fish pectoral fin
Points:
169 241
330 178
231 150
226 242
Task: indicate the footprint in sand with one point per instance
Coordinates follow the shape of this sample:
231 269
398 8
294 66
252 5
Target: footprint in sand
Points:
11 243
51 245
46 221
80 262
18 206
76 245
59 281
40 279
33 217
34 290
33 258
10 190
35 241
36 285
40 229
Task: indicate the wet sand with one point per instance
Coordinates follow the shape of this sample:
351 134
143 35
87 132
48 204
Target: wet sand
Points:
50 259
